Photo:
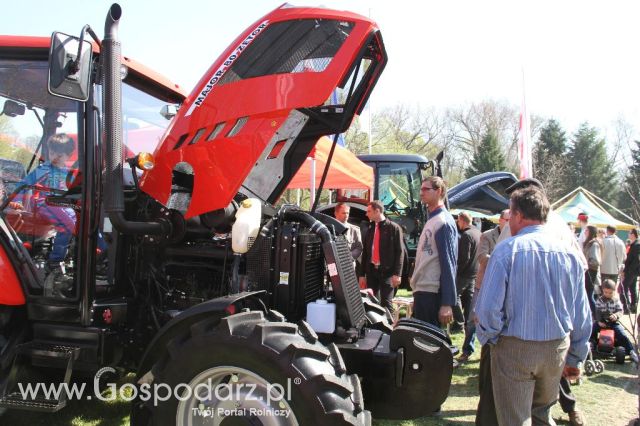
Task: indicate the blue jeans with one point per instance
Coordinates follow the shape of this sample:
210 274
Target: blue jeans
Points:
468 347
61 244
426 307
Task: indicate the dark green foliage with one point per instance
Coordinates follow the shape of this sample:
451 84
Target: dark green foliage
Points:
553 139
489 157
590 167
550 162
629 200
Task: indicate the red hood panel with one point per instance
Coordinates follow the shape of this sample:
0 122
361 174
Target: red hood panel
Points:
199 134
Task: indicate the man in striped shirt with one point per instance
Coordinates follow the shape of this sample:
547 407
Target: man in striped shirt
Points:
533 310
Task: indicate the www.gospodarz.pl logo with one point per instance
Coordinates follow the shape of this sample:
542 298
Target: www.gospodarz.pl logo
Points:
247 399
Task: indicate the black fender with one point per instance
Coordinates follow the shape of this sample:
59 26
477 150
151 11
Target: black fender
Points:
411 373
219 307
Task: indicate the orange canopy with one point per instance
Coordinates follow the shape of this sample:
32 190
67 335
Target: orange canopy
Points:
345 171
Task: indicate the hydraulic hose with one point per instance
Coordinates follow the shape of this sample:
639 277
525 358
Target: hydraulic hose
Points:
314 224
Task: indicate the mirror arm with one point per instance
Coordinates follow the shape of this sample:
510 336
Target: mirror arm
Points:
74 66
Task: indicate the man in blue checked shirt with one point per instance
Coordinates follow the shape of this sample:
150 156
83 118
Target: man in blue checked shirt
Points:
533 310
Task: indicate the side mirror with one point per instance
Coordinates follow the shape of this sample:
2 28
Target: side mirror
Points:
169 111
12 109
69 73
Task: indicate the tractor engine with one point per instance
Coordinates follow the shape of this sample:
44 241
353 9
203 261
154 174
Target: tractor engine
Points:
297 259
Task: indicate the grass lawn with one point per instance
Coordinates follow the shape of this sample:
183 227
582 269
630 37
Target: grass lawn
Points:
609 398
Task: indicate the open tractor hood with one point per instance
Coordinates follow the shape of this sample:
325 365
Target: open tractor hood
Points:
293 76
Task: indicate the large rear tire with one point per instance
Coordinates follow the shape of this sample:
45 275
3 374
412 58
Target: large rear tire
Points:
259 372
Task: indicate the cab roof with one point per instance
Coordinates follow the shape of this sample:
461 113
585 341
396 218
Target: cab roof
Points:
139 76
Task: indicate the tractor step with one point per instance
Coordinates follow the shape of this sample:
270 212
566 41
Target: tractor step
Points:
48 350
16 401
37 396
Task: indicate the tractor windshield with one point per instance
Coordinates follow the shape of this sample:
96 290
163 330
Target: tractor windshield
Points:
28 117
399 190
399 186
142 123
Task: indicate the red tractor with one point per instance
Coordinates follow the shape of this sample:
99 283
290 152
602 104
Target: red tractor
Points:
178 266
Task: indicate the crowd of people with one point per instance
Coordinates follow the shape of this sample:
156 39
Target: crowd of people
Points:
530 290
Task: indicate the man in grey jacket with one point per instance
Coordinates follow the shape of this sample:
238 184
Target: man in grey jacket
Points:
433 279
614 256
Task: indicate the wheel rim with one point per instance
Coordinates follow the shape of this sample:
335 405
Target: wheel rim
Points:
227 395
589 367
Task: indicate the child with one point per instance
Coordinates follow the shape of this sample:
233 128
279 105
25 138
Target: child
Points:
50 178
608 313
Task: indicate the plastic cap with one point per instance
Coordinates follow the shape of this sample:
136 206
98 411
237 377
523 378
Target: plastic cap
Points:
246 203
321 301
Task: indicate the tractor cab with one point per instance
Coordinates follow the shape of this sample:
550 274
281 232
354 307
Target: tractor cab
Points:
397 180
49 165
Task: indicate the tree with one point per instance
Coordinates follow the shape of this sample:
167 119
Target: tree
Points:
489 158
590 167
629 201
469 124
472 123
550 164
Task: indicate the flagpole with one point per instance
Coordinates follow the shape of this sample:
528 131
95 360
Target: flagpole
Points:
524 137
370 102
369 130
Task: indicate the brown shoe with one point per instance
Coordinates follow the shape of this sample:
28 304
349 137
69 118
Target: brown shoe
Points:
576 418
463 358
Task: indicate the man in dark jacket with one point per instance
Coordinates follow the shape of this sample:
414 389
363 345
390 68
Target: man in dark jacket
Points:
466 279
630 274
382 255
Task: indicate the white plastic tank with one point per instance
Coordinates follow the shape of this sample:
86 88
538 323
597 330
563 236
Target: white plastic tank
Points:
321 316
247 224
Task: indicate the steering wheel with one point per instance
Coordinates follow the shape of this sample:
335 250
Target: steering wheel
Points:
392 206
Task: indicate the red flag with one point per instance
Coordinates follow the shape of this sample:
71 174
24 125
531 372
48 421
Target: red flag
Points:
524 140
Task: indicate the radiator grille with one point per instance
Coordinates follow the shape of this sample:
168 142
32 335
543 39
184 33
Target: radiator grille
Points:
259 264
312 268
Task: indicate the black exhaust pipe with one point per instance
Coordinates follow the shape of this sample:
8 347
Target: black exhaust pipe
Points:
114 197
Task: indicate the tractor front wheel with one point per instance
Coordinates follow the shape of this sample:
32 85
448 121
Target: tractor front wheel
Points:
245 369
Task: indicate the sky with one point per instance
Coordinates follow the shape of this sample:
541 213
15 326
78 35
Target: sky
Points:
579 59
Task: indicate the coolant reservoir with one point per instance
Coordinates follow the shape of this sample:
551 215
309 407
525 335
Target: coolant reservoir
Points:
321 316
247 224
